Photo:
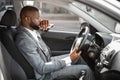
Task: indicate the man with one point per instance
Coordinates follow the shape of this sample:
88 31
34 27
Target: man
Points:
31 45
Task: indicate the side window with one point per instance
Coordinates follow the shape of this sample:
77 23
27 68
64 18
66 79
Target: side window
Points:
62 19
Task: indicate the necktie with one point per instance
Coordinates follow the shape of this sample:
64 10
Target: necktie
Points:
43 47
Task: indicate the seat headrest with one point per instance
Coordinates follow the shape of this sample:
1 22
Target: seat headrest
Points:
9 18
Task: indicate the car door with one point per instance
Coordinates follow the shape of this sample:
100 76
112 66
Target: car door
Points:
66 27
60 42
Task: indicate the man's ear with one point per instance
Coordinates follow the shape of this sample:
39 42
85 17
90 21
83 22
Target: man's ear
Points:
26 18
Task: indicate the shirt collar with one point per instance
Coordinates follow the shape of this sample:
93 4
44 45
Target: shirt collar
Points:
33 32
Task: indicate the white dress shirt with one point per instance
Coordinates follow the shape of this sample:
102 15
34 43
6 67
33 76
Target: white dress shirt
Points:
34 34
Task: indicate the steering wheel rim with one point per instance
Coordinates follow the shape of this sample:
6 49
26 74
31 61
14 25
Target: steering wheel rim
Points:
81 38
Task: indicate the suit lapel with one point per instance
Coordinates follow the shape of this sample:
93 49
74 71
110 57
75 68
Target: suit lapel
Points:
34 40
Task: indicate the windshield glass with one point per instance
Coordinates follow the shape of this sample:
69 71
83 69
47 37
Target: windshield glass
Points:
116 3
102 18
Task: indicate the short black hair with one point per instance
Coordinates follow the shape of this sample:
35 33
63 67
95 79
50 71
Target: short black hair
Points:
26 9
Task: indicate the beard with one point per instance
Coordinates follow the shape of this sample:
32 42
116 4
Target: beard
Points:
34 26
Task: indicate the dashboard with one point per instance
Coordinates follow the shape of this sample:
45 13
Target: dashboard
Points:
107 59
99 41
102 39
97 44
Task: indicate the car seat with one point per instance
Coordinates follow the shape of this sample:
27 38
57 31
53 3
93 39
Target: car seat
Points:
4 75
8 20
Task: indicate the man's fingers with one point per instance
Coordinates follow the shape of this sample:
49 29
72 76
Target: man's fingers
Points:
75 49
47 23
79 52
44 24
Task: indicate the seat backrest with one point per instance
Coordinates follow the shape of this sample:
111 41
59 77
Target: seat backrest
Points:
10 68
4 72
7 39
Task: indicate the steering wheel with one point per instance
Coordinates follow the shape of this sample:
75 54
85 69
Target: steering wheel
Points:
81 38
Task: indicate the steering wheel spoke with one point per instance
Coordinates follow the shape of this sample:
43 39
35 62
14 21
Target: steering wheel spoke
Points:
81 38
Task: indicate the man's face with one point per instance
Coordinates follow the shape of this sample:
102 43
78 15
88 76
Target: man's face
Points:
34 21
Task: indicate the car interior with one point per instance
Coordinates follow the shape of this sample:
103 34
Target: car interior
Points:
13 65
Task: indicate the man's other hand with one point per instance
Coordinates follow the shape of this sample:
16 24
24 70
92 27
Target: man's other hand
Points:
44 24
74 55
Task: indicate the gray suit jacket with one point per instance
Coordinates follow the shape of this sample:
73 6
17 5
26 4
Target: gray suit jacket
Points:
37 55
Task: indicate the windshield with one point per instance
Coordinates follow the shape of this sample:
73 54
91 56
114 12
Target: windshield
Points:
101 17
116 3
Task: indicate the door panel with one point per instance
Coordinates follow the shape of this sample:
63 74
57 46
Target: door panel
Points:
59 42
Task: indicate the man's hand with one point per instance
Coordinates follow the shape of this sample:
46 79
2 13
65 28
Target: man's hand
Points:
74 55
44 24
